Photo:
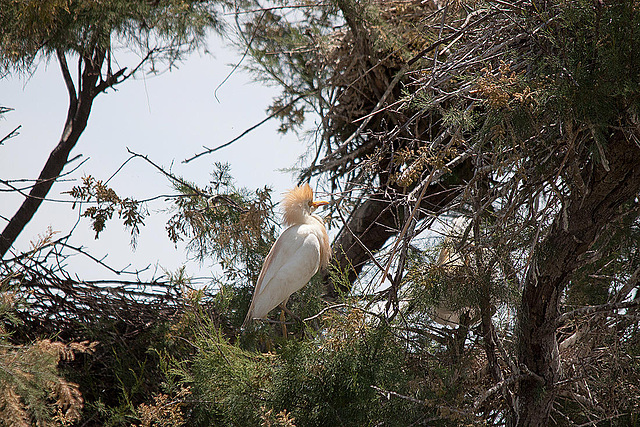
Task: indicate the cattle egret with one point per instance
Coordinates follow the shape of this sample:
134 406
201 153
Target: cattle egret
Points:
451 260
300 251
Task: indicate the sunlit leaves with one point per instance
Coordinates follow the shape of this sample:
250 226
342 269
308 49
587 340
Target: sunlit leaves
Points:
106 203
230 225
170 27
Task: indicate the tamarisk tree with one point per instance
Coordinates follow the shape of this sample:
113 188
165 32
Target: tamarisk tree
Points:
522 116
86 38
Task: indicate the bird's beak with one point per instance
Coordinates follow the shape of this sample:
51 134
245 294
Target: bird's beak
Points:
318 204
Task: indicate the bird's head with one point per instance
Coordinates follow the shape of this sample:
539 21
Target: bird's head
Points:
299 204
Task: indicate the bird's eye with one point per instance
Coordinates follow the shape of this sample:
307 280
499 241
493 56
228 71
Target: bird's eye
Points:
310 203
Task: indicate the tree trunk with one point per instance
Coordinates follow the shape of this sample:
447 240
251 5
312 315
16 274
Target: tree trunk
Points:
588 213
373 222
77 117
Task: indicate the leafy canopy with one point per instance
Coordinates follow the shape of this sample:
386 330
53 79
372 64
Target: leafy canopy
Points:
167 27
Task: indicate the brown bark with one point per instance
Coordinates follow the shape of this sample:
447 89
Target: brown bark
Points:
587 214
373 222
77 117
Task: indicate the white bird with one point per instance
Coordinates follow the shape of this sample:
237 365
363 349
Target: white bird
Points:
452 260
300 251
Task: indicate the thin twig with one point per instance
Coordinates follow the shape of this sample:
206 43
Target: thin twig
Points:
388 394
10 135
433 176
595 309
324 310
266 119
501 384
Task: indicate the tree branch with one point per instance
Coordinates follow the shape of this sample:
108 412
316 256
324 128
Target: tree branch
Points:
76 122
388 394
595 309
68 80
182 182
499 385
266 119
10 135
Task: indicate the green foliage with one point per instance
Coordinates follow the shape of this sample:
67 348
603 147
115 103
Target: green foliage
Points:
416 101
330 380
231 225
123 372
284 50
169 27
587 76
32 389
228 381
306 51
107 202
326 379
598 65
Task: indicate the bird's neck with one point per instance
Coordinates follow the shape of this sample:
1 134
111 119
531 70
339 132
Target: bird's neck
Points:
297 216
313 217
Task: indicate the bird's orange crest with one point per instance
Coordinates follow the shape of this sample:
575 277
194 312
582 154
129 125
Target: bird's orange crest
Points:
293 203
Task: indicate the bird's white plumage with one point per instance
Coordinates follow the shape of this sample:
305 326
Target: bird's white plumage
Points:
292 262
300 251
450 258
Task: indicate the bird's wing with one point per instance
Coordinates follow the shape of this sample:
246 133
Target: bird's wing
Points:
277 256
273 253
292 261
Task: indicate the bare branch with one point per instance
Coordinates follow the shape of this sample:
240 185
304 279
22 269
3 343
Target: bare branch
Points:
182 182
254 127
626 289
388 394
362 245
337 152
324 310
10 135
595 309
68 80
498 386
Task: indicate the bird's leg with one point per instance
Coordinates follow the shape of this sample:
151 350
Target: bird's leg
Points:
283 306
282 322
292 314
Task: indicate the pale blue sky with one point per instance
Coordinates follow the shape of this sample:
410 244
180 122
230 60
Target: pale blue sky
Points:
168 117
